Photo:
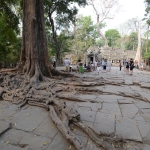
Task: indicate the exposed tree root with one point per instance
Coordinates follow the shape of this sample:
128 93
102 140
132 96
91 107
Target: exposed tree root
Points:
18 90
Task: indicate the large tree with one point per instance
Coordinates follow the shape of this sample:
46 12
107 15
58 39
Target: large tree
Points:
104 9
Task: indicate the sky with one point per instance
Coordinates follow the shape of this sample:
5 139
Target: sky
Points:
130 9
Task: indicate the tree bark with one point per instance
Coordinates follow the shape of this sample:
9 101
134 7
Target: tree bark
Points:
34 57
57 47
138 53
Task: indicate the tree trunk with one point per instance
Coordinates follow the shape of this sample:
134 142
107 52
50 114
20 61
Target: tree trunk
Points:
34 56
58 59
34 60
138 53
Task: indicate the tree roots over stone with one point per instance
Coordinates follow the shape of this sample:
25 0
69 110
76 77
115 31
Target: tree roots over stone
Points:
17 89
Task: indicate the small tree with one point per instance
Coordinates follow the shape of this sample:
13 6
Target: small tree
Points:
112 36
104 10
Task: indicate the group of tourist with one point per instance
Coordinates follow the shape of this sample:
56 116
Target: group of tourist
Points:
128 66
97 66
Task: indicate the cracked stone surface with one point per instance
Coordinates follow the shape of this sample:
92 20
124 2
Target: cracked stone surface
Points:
4 126
116 110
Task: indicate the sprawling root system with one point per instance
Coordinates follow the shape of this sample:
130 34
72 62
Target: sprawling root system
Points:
17 89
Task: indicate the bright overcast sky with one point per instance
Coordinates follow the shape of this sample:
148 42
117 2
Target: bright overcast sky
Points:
130 9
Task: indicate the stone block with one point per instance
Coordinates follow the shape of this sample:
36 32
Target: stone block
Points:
144 128
33 121
47 128
127 129
104 122
128 110
60 143
4 126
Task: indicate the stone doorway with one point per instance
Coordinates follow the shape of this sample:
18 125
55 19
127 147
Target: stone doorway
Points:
91 59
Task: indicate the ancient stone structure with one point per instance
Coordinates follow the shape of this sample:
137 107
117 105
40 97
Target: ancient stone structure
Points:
95 53
92 54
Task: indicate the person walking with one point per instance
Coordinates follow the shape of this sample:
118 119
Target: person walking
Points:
98 66
67 64
109 64
120 64
80 64
131 66
141 66
54 62
95 65
127 67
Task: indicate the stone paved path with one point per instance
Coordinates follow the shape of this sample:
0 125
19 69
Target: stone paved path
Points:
123 108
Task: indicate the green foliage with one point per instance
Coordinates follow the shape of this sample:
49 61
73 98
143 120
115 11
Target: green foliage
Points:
132 41
147 10
65 11
8 13
64 41
112 36
9 43
85 34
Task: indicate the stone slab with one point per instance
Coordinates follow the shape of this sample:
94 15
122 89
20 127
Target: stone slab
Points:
87 115
127 129
126 100
111 108
146 116
4 146
109 98
146 147
144 128
104 122
89 106
87 97
33 121
22 115
145 95
138 117
60 143
4 126
26 140
145 85
46 129
128 110
129 82
136 88
143 105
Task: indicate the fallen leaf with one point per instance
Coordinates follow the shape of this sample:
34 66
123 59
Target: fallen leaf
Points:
7 142
88 142
44 143
128 146
70 147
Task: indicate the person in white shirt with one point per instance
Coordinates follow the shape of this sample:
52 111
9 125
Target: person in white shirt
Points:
109 64
67 64
95 65
54 62
98 66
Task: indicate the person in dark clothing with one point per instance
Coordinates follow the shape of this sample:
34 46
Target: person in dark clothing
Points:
131 66
127 67
120 64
